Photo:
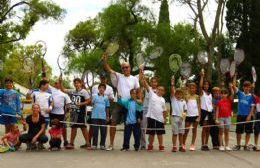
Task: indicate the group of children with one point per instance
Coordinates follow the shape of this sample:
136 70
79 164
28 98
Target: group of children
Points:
211 108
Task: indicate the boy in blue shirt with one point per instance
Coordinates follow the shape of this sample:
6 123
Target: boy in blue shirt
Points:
9 105
245 113
133 119
100 116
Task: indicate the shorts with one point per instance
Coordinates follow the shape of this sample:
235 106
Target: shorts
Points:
225 123
257 123
246 127
7 120
118 114
78 119
177 125
60 117
156 125
206 116
191 119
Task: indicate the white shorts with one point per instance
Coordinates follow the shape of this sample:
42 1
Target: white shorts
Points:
177 125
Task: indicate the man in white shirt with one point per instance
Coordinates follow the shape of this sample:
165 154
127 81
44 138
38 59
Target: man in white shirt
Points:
61 103
124 83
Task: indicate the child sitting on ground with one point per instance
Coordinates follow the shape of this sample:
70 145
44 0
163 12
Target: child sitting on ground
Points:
10 141
179 110
55 134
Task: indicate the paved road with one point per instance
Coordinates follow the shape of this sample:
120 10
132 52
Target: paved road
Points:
99 159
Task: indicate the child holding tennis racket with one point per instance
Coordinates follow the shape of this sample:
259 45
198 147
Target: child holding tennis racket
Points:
206 110
245 113
156 115
223 117
193 114
179 110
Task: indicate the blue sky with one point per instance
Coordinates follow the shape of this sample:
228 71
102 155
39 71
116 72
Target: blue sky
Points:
53 33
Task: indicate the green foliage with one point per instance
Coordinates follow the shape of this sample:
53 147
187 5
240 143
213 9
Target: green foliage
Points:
164 12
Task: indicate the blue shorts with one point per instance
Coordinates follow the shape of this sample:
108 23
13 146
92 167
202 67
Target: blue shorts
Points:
6 120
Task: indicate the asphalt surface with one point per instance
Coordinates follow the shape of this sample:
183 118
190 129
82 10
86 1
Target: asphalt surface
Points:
80 158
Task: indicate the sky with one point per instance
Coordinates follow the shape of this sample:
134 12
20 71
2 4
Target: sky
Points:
53 33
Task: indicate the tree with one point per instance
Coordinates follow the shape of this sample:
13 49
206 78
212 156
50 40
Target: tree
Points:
18 17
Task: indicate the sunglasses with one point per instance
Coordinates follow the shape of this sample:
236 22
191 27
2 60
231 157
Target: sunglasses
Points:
126 67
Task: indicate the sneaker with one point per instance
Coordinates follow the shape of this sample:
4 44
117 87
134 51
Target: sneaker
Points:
174 149
110 148
11 149
182 149
216 147
192 147
85 146
246 148
102 148
124 150
204 148
236 147
136 149
150 148
40 146
221 148
161 148
70 146
65 143
142 148
94 147
228 148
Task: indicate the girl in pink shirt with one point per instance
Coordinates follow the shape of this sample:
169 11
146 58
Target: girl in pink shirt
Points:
11 139
55 134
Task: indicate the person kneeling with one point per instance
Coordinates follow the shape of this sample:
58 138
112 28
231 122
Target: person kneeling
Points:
55 134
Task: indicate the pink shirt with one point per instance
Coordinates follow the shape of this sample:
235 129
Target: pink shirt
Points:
12 138
55 132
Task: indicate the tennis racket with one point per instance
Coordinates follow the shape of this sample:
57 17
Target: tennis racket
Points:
254 75
88 80
232 69
239 56
139 59
28 64
175 62
62 63
41 49
224 65
156 53
202 58
185 70
111 50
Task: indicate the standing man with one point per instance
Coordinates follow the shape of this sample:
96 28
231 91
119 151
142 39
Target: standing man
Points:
125 83
61 104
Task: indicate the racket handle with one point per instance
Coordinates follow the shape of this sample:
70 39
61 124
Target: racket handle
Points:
100 62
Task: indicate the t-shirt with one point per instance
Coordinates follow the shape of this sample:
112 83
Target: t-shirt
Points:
9 102
225 108
245 102
60 100
192 106
108 92
55 131
125 84
44 99
133 110
178 107
257 102
156 107
206 102
76 98
146 100
12 138
100 103
34 128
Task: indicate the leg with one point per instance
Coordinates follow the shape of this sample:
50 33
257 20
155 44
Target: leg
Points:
85 134
180 140
256 138
226 137
64 134
247 138
94 132
187 129
42 139
194 133
151 140
112 132
25 138
103 132
221 132
174 139
73 135
239 139
160 140
143 135
137 136
127 135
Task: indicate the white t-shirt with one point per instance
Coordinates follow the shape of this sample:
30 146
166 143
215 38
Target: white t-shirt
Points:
60 100
44 99
108 92
125 84
206 102
178 107
146 100
156 107
192 108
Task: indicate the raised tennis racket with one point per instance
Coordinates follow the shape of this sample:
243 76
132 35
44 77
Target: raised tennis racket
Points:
232 69
111 50
224 65
41 50
239 56
203 58
175 62
185 70
62 63
139 59
254 75
156 53
88 80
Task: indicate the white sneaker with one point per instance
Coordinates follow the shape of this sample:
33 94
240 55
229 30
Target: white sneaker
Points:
110 148
228 148
222 148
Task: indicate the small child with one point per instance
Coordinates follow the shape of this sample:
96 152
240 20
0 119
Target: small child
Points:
10 140
100 116
156 115
245 113
223 118
214 130
133 120
257 123
56 134
193 115
179 110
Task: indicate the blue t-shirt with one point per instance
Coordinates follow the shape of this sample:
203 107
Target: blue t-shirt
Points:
132 109
100 103
245 102
9 102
